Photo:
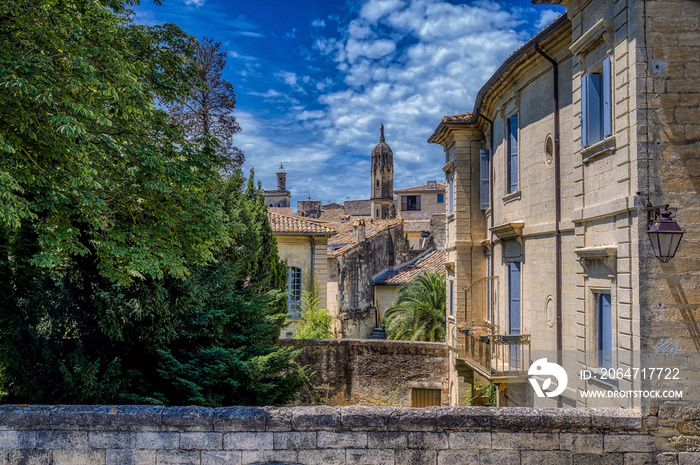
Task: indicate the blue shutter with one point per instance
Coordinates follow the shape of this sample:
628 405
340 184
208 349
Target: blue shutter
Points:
607 99
452 297
604 331
584 112
484 176
512 154
515 359
452 193
514 298
594 104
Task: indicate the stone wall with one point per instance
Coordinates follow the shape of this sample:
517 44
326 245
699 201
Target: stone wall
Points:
371 372
354 270
358 207
100 435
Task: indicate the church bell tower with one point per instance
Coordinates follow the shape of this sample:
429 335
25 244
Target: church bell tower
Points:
382 197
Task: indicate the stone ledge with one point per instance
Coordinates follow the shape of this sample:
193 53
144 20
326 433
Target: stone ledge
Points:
232 419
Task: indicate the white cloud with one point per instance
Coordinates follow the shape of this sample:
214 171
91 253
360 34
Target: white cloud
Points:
546 17
319 23
196 3
404 63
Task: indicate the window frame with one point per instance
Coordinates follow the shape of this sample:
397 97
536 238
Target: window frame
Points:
294 275
405 203
604 349
441 198
596 104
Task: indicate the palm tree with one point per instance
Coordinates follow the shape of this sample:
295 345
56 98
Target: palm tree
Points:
418 314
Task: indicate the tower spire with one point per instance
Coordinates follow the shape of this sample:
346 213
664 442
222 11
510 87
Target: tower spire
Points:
381 132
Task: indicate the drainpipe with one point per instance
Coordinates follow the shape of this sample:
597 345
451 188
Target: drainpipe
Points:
313 256
557 205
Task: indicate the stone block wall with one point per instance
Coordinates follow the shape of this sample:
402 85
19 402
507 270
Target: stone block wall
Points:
371 372
100 435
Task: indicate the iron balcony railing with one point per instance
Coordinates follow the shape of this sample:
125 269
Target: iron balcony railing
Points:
478 341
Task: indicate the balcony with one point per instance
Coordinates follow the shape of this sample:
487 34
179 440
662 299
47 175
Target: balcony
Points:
496 357
481 344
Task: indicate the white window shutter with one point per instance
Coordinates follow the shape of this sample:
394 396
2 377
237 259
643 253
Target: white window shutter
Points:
484 176
607 99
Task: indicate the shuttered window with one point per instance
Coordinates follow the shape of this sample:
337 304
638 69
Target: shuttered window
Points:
512 156
596 106
425 397
484 175
604 317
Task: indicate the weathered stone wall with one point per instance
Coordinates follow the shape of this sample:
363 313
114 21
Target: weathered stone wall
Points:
355 268
371 372
101 435
357 207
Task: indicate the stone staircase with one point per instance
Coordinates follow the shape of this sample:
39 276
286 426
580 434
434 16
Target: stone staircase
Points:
378 333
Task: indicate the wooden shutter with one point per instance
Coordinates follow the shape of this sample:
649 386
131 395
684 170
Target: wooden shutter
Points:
604 331
452 193
513 154
484 177
606 99
594 104
584 112
514 298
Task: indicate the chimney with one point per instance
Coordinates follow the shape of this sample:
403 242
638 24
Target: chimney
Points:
432 184
359 230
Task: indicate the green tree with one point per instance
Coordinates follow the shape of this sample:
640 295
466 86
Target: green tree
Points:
208 111
89 164
315 320
418 314
130 271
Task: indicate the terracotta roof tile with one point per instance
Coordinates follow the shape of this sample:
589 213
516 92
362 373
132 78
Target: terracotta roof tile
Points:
431 261
284 224
424 187
345 239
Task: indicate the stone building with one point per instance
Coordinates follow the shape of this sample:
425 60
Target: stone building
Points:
549 179
361 249
302 245
417 206
279 197
382 180
387 282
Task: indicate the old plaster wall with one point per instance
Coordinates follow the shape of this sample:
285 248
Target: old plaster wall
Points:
354 270
370 372
131 435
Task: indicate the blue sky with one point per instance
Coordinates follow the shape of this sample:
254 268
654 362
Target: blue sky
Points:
315 79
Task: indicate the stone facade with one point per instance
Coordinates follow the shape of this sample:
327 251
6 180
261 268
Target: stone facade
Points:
351 268
152 435
371 372
302 245
581 201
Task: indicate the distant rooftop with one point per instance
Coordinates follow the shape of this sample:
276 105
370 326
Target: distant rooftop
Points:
433 260
345 239
424 187
291 225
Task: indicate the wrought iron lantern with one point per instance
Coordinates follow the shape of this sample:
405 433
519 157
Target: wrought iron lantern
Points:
664 233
